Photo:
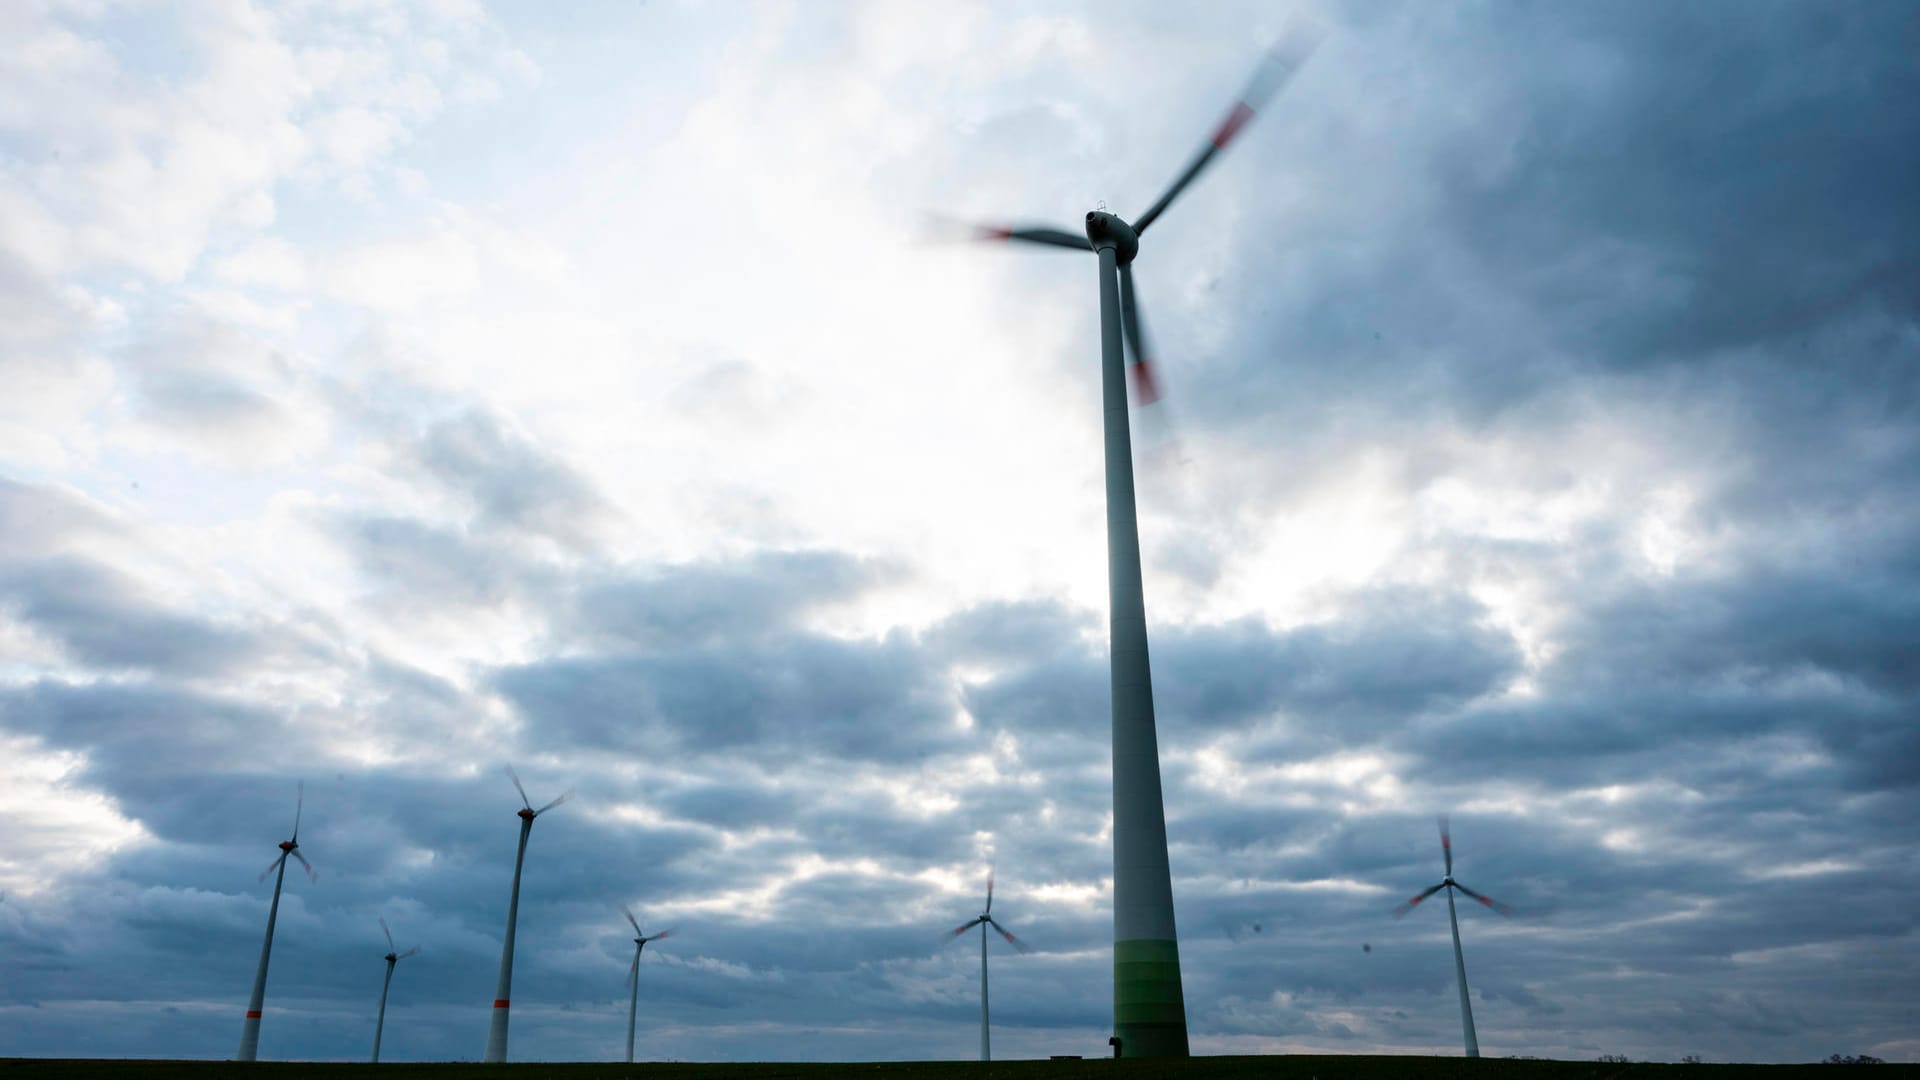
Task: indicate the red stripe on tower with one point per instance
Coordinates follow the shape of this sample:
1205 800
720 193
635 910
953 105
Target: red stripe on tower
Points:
253 1014
1237 119
499 1003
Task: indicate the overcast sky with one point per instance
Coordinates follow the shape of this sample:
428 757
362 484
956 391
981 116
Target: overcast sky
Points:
390 392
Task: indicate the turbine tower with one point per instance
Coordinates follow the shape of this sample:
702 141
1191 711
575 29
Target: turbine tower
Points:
1149 1009
633 974
984 920
503 990
250 1028
1459 960
394 956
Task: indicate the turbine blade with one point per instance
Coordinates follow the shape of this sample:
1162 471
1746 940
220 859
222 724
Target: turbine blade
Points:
628 912
1026 234
633 970
1446 843
1277 67
409 952
312 874
962 928
1486 900
668 932
1011 940
553 804
1141 372
1401 911
272 866
383 929
989 906
299 804
517 786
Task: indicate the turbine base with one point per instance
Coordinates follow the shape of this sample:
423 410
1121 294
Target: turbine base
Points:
1149 1009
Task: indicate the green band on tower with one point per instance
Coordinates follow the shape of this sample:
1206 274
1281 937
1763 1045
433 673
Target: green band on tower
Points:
1149 1010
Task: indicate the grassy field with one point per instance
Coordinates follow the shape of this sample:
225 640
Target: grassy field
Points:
1222 1068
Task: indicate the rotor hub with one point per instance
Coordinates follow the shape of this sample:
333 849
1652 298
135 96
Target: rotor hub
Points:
525 812
1106 230
288 845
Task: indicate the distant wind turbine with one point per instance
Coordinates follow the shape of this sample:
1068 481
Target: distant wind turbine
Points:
393 957
984 920
1459 960
503 990
250 1029
633 973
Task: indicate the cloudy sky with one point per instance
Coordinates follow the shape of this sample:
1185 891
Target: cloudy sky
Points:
395 391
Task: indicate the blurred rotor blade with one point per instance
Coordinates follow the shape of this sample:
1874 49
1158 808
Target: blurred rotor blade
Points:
1011 940
515 777
635 923
409 952
1278 66
383 929
633 969
962 928
553 804
1401 911
989 906
272 866
1027 234
312 874
1487 900
1446 843
668 932
299 804
1140 372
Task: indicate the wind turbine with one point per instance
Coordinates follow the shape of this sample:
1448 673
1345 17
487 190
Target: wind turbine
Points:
250 1029
633 974
984 920
1459 961
393 957
1149 1010
503 990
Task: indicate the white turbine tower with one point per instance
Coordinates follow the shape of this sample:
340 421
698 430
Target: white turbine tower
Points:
1459 959
503 990
394 956
633 974
984 920
250 1029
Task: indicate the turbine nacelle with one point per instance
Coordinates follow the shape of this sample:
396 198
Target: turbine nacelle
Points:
525 812
1106 230
288 846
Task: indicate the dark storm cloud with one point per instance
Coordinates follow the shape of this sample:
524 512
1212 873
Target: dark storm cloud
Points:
1395 656
1602 191
692 605
102 622
1820 652
510 482
801 694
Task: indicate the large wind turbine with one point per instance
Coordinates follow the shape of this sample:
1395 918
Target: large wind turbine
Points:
250 1029
1149 1010
503 990
394 956
984 920
1459 960
640 940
